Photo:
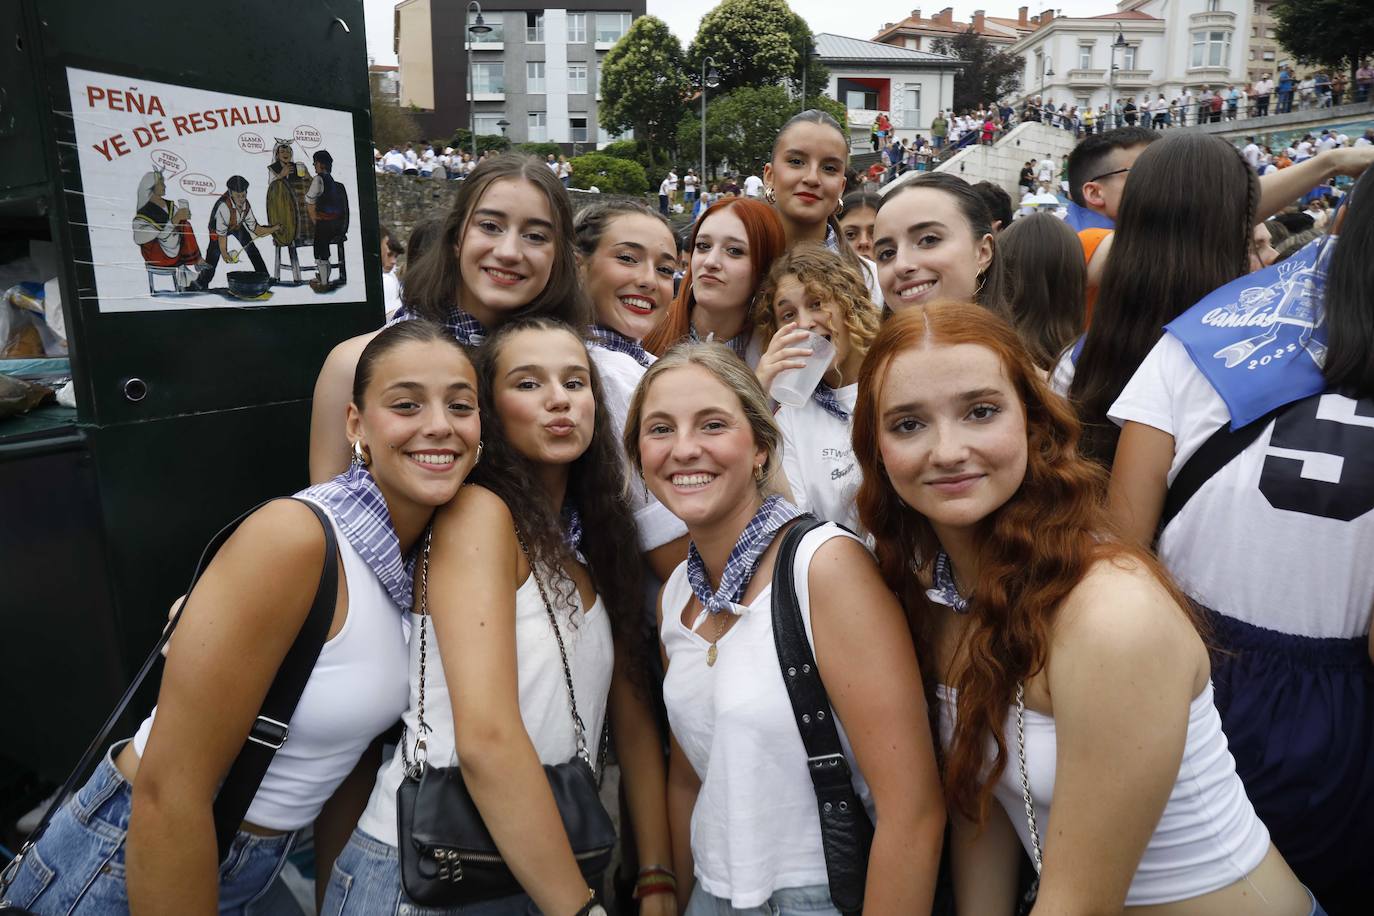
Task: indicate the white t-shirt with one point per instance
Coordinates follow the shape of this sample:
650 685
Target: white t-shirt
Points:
1047 170
1296 570
754 826
753 186
391 292
620 375
564 169
689 183
668 185
818 459
1326 143
1252 155
1062 376
1304 150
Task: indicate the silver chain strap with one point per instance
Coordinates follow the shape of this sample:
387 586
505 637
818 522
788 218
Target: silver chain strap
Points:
1036 856
413 768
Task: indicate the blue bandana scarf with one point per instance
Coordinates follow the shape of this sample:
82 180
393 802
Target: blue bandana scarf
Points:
739 343
1261 339
824 396
744 558
572 531
360 511
832 238
944 590
465 329
611 339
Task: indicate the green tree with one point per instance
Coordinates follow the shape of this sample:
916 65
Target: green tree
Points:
989 75
817 75
462 141
1338 34
751 43
643 85
742 125
540 149
610 174
392 125
633 150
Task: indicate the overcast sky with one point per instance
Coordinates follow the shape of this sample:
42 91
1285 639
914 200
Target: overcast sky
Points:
857 19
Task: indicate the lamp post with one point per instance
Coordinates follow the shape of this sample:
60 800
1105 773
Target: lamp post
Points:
1046 72
1117 45
708 81
479 27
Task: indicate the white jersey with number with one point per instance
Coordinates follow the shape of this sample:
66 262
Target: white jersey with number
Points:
1281 537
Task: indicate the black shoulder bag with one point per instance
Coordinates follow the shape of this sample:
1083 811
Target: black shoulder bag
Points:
448 857
1213 455
846 831
270 729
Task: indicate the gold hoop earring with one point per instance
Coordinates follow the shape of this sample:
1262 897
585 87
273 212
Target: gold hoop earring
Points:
769 195
839 209
359 459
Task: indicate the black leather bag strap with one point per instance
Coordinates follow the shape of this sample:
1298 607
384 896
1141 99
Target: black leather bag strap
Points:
96 749
825 760
1214 454
271 728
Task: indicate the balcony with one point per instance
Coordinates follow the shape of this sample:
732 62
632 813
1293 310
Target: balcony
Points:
1133 77
1215 74
1219 19
1087 77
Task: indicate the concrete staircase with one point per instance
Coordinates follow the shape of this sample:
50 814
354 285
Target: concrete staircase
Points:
1001 162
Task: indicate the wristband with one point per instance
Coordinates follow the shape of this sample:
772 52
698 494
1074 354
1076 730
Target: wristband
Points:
643 891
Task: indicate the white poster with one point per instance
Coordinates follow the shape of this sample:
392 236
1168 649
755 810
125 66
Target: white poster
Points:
198 199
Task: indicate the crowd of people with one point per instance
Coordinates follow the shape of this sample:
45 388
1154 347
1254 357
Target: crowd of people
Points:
427 160
1072 532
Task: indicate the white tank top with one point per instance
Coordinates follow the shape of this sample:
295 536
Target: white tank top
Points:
755 828
542 690
356 692
1208 836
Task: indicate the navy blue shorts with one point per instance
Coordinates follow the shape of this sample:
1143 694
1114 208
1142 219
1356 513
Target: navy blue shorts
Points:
1298 713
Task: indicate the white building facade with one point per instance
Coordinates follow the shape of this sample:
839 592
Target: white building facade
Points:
870 78
1171 45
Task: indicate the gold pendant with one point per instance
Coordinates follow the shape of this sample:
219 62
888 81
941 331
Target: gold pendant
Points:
711 655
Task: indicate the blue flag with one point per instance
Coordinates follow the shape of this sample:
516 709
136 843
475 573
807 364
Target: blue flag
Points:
1080 218
1261 339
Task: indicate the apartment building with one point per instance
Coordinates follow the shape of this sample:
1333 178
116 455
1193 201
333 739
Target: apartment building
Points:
873 78
917 33
537 70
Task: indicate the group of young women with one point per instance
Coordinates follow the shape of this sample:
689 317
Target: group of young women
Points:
1013 672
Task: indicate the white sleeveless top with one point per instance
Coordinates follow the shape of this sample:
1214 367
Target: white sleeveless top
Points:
755 828
1208 836
542 690
356 692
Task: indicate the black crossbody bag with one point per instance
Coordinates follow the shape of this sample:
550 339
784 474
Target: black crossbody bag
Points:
270 729
846 831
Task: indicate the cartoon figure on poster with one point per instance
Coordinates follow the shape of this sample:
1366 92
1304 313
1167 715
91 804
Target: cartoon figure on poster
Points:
153 148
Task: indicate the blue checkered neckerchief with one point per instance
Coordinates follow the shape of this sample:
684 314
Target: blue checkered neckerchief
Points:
739 343
360 512
611 339
944 591
744 557
466 329
824 396
832 238
572 531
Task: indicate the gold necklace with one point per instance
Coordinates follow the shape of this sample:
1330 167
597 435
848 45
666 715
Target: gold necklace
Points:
712 652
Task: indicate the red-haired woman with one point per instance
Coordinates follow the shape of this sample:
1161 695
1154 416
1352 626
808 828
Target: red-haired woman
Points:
732 247
1072 683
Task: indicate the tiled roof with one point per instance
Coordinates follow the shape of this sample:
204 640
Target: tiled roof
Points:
842 47
1129 14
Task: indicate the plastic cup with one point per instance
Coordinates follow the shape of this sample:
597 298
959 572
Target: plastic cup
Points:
793 387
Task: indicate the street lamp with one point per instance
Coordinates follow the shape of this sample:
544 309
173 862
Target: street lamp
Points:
503 124
1045 72
708 81
479 27
1118 45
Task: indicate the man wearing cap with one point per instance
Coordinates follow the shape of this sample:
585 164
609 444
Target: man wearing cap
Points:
232 218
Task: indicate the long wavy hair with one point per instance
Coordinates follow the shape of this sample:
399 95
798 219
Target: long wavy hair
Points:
766 242
1350 296
596 488
434 281
827 276
1185 228
1048 281
1032 551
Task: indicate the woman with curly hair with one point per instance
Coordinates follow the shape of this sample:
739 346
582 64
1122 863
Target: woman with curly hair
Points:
1072 683
813 290
495 689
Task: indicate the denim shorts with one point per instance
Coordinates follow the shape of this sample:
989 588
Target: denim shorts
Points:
78 864
787 901
366 881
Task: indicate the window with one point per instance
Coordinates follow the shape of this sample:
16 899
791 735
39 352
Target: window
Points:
1268 55
494 22
1211 49
488 124
858 98
1213 6
911 116
538 127
1083 102
914 43
1128 58
577 78
577 129
488 78
1252 54
1269 33
577 28
1259 9
534 27
611 26
534 76
1085 57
